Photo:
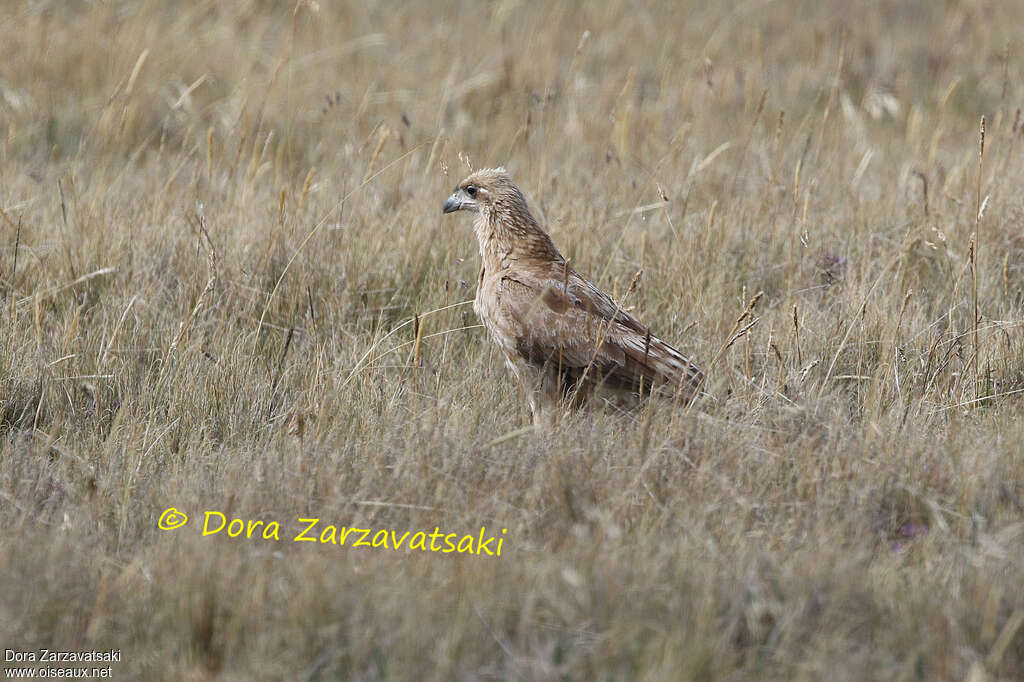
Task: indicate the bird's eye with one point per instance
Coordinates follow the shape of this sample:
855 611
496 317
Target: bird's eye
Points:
471 191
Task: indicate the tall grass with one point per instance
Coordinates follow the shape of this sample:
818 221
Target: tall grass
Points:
227 285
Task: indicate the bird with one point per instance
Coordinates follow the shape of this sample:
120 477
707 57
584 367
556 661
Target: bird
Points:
561 335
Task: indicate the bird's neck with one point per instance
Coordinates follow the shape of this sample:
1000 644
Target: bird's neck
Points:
503 241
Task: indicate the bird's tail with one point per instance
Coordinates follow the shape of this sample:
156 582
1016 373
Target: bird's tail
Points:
653 365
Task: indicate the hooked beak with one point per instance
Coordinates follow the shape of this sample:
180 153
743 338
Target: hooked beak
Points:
460 201
454 203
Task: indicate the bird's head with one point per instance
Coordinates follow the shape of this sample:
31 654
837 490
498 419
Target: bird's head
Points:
503 220
482 191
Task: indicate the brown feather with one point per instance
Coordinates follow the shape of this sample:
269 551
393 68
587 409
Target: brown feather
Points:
559 332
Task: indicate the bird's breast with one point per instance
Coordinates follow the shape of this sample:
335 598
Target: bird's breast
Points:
486 302
487 306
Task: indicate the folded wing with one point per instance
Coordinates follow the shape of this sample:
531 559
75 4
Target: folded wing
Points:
570 326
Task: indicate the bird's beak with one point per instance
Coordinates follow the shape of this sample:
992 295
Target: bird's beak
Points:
454 203
460 201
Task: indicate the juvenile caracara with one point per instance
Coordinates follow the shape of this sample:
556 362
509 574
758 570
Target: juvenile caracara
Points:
561 335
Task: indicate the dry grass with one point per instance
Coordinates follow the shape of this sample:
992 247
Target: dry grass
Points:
221 239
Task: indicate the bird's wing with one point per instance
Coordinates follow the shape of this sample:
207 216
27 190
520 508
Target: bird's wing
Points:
568 322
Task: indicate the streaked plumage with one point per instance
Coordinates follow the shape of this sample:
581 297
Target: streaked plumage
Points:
560 334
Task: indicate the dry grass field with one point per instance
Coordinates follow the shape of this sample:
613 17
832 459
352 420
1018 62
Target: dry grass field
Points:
227 285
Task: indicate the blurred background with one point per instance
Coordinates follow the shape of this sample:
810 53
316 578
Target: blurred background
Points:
227 284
